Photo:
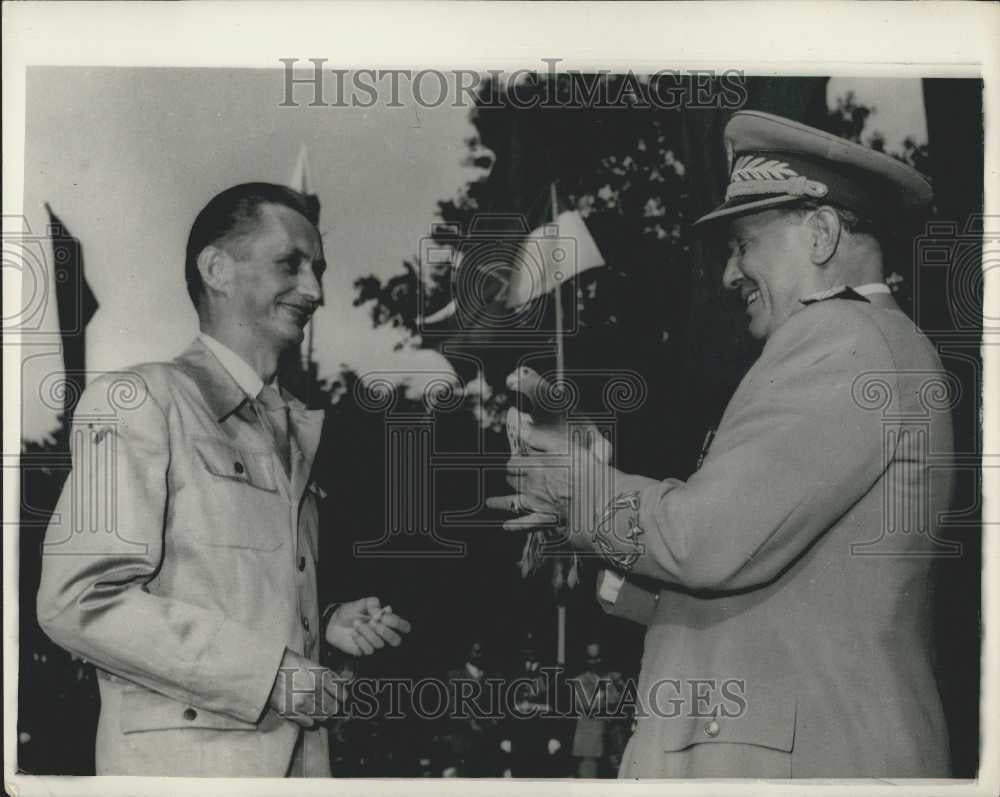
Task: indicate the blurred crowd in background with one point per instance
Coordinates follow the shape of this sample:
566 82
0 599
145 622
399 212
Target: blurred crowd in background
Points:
566 723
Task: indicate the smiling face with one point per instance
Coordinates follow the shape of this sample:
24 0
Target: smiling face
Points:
769 264
277 277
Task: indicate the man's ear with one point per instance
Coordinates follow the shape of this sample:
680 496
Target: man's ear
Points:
824 230
216 269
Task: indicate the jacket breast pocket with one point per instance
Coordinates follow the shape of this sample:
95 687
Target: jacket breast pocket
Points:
243 507
142 710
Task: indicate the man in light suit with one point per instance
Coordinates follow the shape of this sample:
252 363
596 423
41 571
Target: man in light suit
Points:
789 635
181 558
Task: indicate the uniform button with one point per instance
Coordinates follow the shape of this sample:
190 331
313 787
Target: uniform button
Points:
238 467
712 728
305 623
190 714
302 563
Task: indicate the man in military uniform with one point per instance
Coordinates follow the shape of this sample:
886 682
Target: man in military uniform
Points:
469 727
181 558
595 692
789 636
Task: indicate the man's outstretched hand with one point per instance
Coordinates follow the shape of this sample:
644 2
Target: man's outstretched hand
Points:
359 628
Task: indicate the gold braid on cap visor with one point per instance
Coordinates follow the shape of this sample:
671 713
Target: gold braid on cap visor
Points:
753 176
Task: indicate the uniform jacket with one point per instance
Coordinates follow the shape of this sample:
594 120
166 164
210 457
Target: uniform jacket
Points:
790 636
181 561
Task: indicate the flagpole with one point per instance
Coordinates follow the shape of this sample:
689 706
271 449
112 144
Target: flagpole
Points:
560 356
560 371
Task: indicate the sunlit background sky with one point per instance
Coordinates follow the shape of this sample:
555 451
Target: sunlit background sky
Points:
126 157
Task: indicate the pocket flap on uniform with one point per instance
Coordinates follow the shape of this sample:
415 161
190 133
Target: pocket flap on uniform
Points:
227 461
143 710
761 715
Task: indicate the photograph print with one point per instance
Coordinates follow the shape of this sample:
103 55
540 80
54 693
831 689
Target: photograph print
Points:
499 423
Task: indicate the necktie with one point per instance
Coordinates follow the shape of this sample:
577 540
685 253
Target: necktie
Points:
272 411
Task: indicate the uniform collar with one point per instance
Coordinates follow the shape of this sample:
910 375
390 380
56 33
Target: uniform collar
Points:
867 289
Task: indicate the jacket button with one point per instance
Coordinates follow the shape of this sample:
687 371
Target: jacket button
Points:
238 467
190 714
302 563
305 622
712 728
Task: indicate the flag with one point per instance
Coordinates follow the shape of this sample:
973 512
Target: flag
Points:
552 254
549 255
75 303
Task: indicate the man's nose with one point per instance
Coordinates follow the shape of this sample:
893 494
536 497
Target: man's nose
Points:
311 286
732 276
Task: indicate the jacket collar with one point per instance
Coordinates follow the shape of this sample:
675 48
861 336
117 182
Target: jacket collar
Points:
220 391
239 369
224 396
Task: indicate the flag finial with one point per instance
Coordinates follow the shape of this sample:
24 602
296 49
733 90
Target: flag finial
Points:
301 179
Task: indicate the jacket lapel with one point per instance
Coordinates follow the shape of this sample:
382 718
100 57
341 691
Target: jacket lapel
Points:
305 427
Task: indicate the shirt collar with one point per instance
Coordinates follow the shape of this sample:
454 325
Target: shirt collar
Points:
871 288
238 368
